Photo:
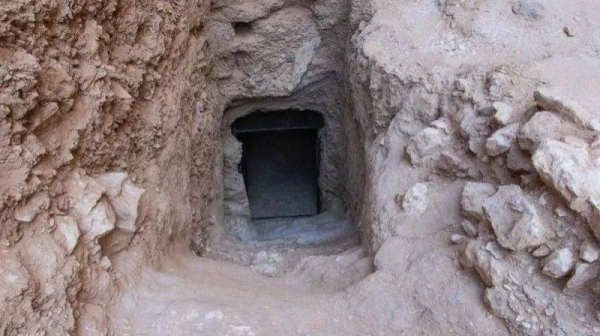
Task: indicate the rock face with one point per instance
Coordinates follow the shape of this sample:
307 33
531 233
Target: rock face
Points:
571 168
501 141
559 263
474 196
514 219
416 200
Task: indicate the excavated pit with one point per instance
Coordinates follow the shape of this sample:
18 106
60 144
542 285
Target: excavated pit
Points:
299 167
283 186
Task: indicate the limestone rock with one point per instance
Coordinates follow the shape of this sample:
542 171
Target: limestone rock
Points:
501 141
473 197
528 9
112 182
476 256
541 251
67 232
514 219
125 206
36 204
545 126
553 99
496 299
572 168
84 193
124 197
476 129
504 113
589 252
426 145
517 160
559 263
416 199
584 273
99 222
470 228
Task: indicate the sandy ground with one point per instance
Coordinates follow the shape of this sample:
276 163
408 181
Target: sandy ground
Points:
198 296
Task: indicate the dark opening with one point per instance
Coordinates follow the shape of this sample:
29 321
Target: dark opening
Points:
242 28
280 162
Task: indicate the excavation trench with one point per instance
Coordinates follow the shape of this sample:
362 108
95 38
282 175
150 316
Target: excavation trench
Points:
283 186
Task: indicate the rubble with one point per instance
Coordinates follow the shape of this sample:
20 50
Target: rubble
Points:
473 197
514 219
501 141
559 263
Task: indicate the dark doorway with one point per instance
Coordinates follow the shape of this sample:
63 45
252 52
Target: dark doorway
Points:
280 162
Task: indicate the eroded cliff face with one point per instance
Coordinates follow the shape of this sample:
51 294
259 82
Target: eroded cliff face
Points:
461 138
101 105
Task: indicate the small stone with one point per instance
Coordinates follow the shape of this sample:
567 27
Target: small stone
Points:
517 160
416 199
491 270
541 251
36 204
568 31
105 263
496 299
528 9
559 263
473 196
549 311
470 228
561 211
501 141
588 252
458 238
584 273
504 113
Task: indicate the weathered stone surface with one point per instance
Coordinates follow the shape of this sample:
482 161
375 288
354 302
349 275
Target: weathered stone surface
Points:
541 251
98 222
545 126
572 168
473 197
552 99
501 141
476 129
559 263
125 205
529 9
112 182
491 270
584 273
517 160
416 200
504 113
496 299
36 204
514 219
589 252
426 145
84 193
66 232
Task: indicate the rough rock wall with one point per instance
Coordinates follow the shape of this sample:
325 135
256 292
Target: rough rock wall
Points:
276 55
462 108
98 118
